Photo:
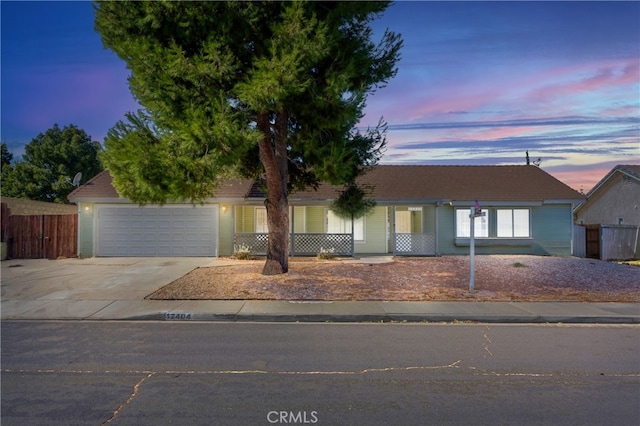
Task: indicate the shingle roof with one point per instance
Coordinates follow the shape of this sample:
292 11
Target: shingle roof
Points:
451 183
404 183
101 187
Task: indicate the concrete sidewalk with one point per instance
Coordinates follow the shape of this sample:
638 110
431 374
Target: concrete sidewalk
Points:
114 289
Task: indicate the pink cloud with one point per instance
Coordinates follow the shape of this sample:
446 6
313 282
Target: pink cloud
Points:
503 132
565 83
585 177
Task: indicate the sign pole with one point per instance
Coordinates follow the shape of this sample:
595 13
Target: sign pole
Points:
472 249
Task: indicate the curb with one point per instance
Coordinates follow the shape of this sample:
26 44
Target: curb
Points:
380 318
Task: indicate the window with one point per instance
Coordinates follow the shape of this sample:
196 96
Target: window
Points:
513 223
338 225
261 221
463 224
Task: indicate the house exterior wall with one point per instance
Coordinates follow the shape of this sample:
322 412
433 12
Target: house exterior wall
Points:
429 219
447 231
551 233
552 229
375 228
225 230
619 197
86 213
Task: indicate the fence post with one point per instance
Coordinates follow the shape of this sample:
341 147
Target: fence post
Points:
353 244
292 235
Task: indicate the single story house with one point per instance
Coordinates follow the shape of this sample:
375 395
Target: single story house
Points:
420 210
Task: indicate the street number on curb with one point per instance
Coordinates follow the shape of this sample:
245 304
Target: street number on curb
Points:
172 316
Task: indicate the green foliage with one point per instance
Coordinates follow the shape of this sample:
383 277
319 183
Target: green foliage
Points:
258 89
49 164
149 164
7 156
352 203
206 71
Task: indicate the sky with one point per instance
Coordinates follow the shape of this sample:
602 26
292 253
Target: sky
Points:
478 82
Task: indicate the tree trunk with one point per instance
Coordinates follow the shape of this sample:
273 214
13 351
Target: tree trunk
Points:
273 155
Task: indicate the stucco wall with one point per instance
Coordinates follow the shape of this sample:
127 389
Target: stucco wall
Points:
619 197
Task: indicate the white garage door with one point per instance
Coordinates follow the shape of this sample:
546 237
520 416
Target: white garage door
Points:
156 231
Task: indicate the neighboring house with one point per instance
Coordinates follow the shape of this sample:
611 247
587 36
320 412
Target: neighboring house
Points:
615 200
421 210
610 217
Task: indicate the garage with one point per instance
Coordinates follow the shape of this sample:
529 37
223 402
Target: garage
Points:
173 230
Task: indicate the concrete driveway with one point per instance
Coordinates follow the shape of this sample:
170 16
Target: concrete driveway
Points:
83 288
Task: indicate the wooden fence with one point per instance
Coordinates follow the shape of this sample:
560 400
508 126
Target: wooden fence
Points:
39 236
606 242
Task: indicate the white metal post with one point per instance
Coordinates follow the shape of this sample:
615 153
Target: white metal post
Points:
472 248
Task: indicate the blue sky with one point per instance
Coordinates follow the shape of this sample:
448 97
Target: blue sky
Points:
478 83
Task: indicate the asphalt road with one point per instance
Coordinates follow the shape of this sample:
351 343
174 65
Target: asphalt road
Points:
157 373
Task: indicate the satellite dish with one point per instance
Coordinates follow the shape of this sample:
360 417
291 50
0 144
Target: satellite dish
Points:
76 179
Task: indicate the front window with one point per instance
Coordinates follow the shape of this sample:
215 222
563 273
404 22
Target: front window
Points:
338 225
261 221
463 224
513 223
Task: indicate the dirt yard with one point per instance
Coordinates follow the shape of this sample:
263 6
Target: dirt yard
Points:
497 278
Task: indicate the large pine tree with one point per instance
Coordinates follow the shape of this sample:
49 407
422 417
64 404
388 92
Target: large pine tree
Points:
258 89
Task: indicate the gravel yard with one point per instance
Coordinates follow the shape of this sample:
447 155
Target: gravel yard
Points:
497 278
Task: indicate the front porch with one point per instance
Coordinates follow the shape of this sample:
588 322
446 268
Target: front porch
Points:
397 230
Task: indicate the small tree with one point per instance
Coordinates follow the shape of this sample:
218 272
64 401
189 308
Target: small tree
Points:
352 203
7 156
257 89
49 164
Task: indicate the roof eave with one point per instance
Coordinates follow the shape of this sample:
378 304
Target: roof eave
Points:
573 201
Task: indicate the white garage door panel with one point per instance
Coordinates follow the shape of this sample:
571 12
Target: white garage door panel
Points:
157 231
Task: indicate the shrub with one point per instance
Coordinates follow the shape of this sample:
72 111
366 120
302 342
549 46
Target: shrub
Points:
327 254
243 252
519 265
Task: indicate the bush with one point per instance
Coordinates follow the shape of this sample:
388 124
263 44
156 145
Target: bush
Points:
326 254
243 252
